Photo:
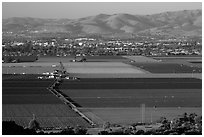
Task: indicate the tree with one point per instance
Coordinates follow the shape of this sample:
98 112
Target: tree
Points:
140 132
80 131
68 131
33 124
192 117
106 125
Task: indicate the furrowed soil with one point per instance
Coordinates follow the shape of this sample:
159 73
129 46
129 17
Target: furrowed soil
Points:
133 83
25 95
118 100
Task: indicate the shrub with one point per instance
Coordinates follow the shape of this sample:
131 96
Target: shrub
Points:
140 132
68 131
80 131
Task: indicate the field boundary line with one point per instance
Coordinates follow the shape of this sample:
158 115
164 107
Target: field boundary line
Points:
66 101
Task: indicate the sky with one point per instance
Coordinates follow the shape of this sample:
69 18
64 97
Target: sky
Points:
74 10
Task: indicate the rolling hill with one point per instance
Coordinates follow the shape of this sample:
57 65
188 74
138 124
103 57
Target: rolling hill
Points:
185 23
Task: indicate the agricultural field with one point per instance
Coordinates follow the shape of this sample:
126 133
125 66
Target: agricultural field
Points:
89 59
30 99
27 69
185 58
141 59
25 95
197 63
133 83
118 100
130 115
101 68
72 67
167 68
192 61
133 75
40 110
109 89
20 76
48 115
96 98
116 67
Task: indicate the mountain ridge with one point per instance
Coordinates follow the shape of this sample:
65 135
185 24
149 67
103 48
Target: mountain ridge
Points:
186 22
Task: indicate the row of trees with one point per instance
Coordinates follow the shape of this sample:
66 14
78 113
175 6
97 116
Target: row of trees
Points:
184 125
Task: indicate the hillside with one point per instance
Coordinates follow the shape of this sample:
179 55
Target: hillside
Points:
181 23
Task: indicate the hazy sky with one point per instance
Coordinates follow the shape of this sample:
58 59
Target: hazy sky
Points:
82 9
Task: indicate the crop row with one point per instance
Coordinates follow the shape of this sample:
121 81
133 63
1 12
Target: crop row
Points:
26 83
136 83
50 121
27 70
30 99
41 110
11 77
136 97
24 97
167 68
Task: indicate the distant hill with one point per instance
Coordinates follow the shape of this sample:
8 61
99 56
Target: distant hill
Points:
181 23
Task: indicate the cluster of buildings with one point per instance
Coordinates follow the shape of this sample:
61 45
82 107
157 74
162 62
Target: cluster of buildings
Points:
97 47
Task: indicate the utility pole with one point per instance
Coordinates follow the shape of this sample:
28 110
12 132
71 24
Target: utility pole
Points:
151 115
143 113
